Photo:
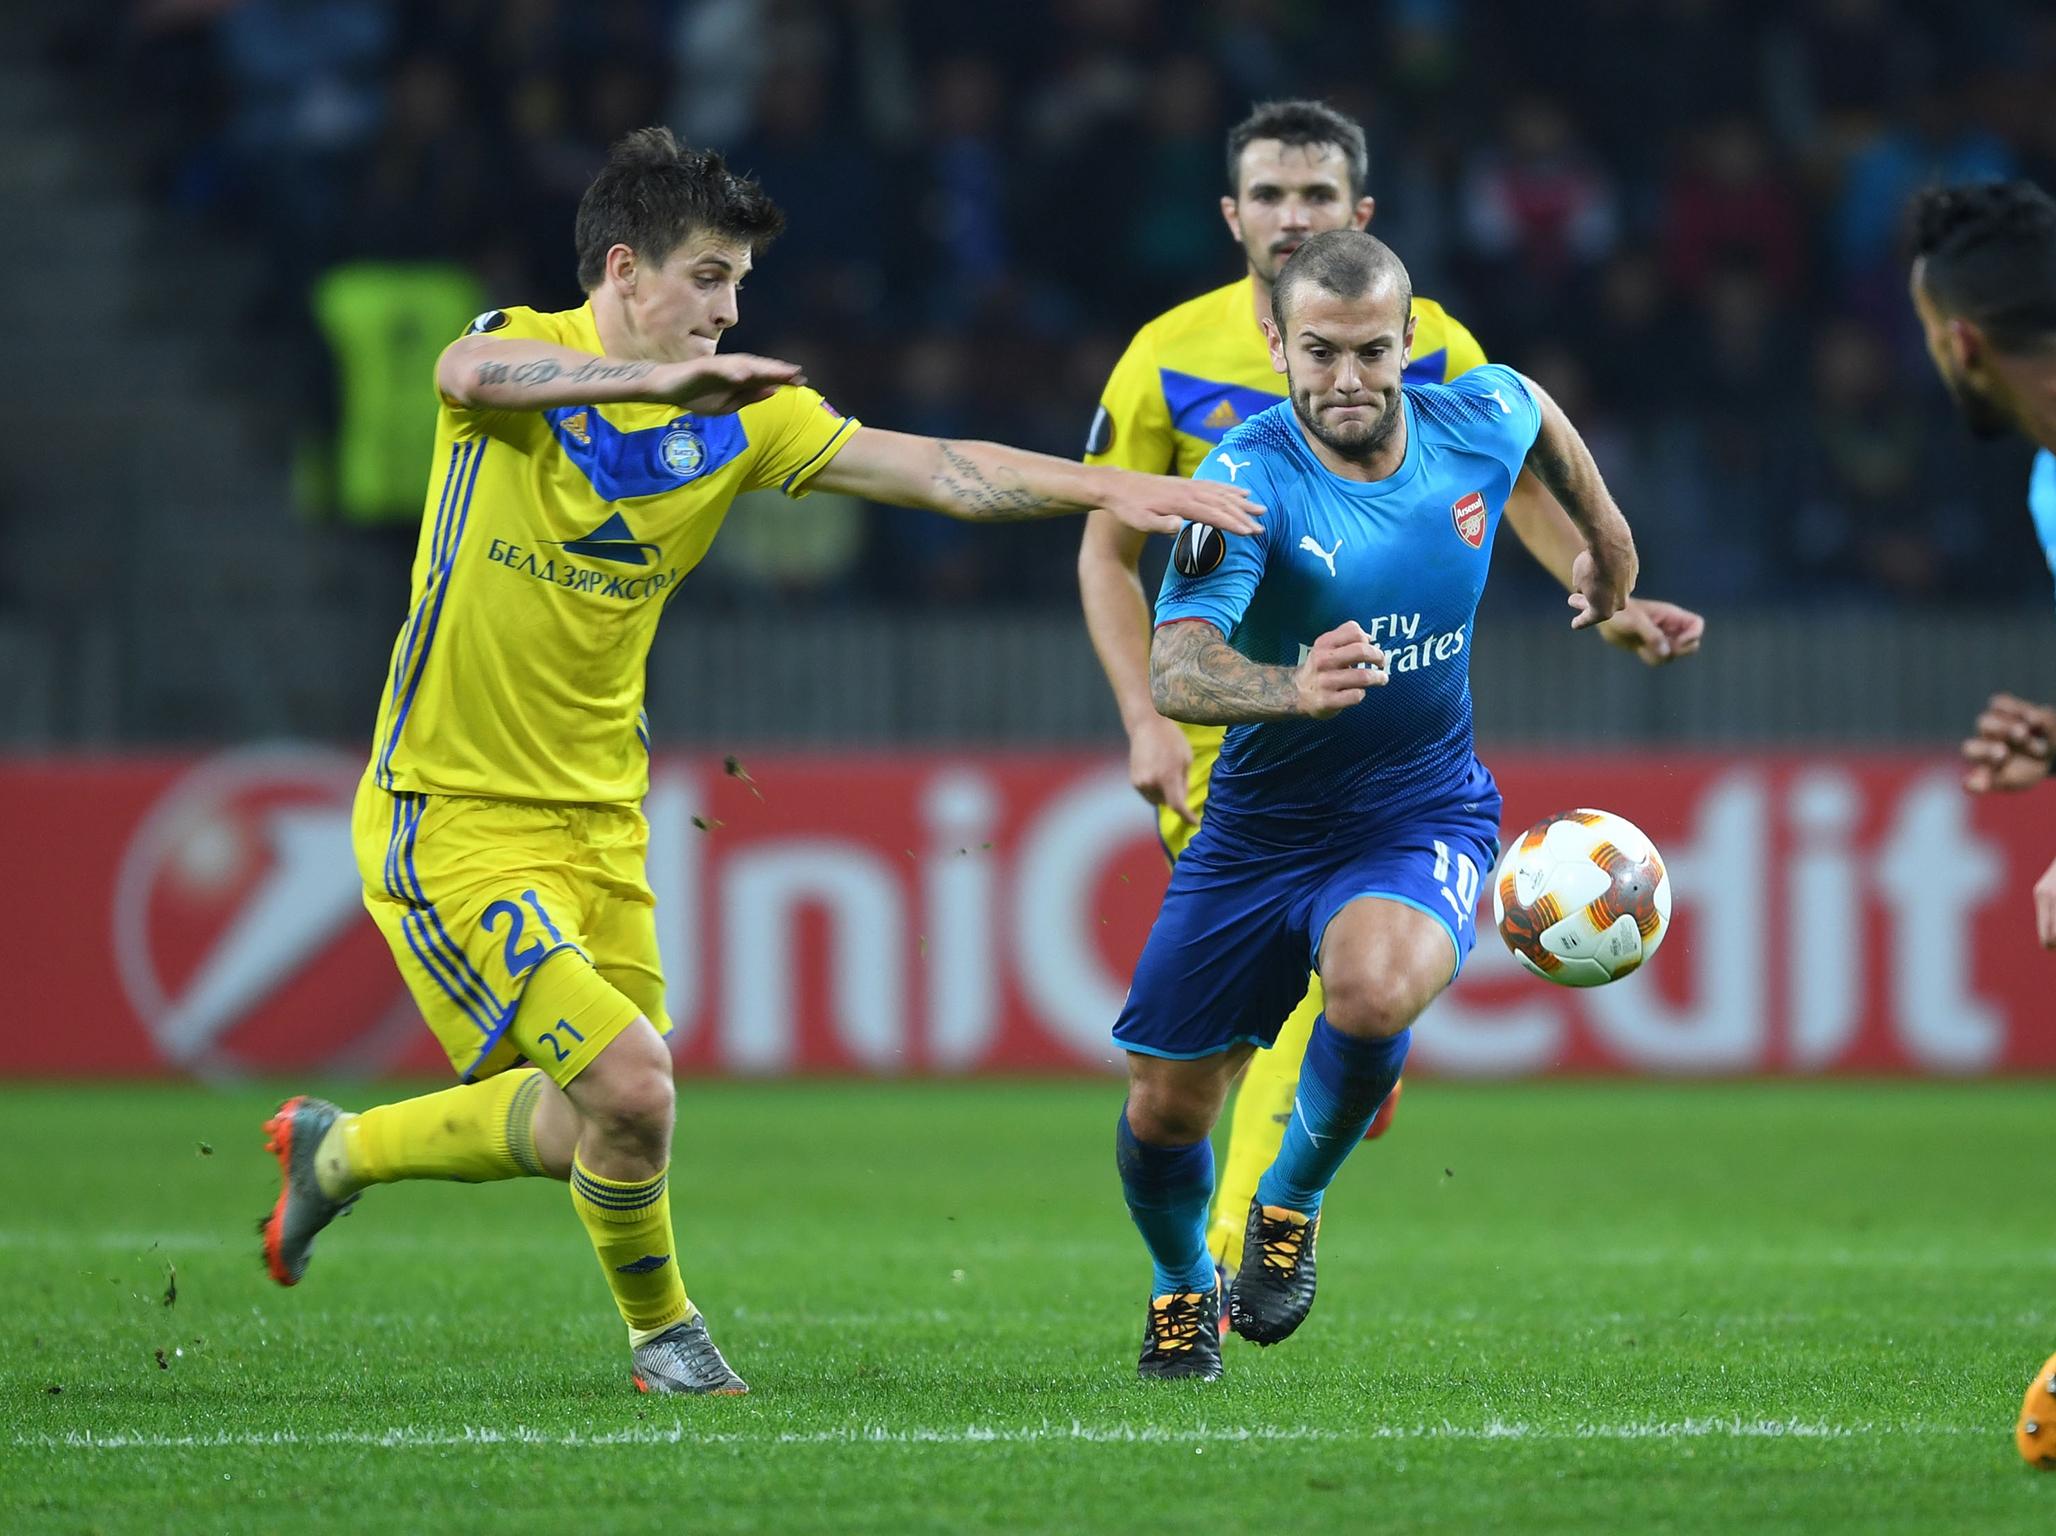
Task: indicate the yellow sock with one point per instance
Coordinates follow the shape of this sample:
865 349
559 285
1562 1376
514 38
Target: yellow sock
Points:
474 1134
1263 1105
629 1223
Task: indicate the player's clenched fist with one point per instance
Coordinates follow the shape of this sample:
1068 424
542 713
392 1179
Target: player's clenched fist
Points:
2014 745
1338 669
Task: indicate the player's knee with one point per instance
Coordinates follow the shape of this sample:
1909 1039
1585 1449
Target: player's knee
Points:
1372 1004
1161 1115
627 1095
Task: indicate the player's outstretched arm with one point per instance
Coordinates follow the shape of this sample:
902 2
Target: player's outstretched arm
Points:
1603 573
490 373
1117 619
989 483
1656 632
1197 676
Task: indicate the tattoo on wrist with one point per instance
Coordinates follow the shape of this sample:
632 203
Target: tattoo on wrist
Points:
1197 676
965 486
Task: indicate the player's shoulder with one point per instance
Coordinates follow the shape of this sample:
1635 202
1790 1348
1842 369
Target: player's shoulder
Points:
1431 318
1487 393
1267 438
788 404
522 321
1197 319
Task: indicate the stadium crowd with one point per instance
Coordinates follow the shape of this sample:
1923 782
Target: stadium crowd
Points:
1682 216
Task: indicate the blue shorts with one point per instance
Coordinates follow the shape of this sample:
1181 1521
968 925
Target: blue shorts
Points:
1241 925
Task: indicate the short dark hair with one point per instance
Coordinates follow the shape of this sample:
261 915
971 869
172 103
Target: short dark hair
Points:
1988 253
1300 123
654 194
1344 262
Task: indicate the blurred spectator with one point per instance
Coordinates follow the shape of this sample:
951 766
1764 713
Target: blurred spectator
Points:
1861 519
1728 207
1174 217
964 216
828 260
308 94
1645 199
386 323
1539 211
1941 141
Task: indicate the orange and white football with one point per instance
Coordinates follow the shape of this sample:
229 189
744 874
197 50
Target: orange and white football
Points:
1582 898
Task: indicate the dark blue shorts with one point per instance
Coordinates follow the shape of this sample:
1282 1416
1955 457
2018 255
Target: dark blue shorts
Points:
1241 925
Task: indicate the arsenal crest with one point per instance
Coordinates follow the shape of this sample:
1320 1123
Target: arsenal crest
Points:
1469 517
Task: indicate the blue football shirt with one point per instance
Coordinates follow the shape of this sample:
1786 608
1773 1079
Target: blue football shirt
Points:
2041 503
1406 558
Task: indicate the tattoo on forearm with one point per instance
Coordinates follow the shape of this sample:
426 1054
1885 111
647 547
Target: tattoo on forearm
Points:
599 368
968 491
545 370
1197 676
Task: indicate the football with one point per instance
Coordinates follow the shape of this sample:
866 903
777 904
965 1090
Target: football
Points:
1582 898
2036 1432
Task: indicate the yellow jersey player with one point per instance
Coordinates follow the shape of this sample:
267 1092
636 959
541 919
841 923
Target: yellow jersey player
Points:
1295 168
583 463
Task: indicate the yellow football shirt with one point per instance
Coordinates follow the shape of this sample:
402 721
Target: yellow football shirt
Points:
1204 367
551 542
1200 369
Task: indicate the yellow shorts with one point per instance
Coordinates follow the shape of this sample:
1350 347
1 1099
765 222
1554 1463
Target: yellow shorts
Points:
524 931
1172 829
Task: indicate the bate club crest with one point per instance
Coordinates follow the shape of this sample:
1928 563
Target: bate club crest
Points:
1469 517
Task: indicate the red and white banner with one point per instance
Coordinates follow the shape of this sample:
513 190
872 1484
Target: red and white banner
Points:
952 913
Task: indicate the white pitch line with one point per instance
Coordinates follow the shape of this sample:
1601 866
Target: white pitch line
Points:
1032 1434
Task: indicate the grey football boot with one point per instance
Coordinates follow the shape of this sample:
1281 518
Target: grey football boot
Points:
683 1359
293 1135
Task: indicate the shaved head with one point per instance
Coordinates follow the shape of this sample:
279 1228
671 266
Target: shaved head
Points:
1347 263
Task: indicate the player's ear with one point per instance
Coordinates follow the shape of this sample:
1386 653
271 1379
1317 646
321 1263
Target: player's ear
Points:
1365 207
621 268
1966 345
1275 339
1233 218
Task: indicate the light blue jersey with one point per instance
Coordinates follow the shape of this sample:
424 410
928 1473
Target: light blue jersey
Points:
2041 503
1406 558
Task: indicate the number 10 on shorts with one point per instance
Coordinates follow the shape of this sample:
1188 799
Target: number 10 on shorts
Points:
1463 898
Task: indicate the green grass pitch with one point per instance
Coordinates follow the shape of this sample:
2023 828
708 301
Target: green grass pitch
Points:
1543 1308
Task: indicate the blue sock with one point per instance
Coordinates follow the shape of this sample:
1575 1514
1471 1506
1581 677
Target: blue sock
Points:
1342 1084
1168 1189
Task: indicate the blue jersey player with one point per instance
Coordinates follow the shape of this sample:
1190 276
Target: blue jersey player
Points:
1984 286
1350 823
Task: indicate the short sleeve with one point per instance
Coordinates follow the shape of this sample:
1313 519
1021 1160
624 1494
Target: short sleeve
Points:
1506 409
501 325
1132 427
1213 575
793 436
520 427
